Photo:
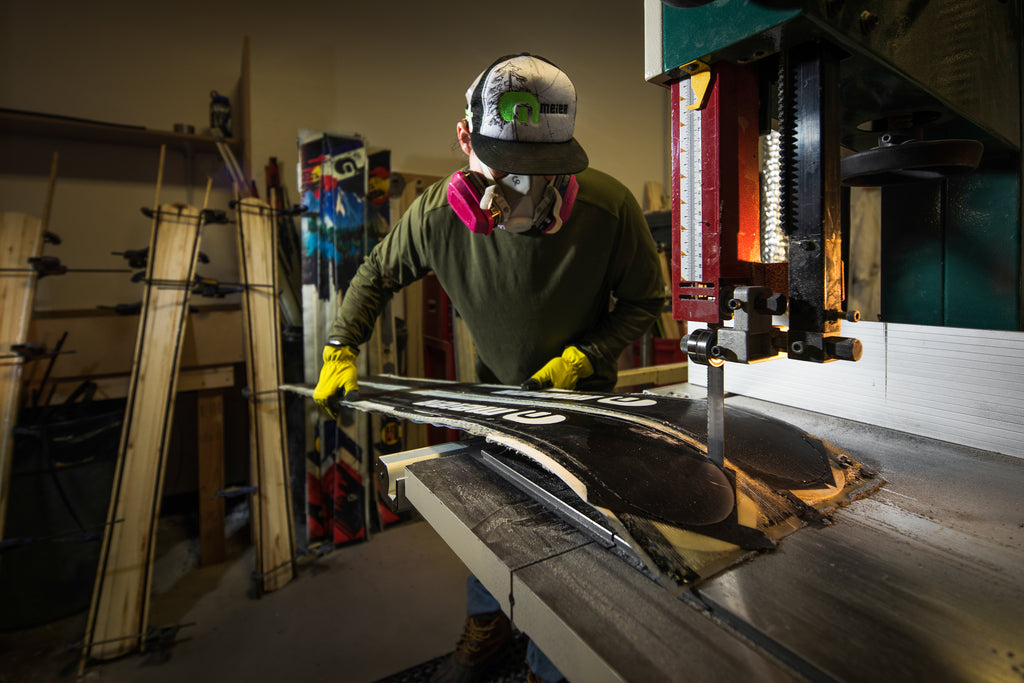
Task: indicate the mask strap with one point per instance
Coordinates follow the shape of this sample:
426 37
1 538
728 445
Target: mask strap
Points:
556 212
493 201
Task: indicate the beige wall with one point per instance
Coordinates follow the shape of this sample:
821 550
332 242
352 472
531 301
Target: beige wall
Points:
394 72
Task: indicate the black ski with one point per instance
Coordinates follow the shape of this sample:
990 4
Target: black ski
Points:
774 451
641 459
610 461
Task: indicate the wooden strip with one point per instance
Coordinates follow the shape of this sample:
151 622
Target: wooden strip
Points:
465 352
243 116
118 614
210 416
21 238
272 522
159 178
50 186
206 194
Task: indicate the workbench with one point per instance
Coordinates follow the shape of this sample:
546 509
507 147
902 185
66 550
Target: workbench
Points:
923 580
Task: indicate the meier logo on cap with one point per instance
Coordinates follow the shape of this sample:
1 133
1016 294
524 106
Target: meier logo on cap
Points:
521 113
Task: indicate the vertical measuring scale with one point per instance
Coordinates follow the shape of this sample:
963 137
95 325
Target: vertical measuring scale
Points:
690 253
691 234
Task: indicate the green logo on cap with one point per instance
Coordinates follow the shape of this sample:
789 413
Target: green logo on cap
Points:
519 106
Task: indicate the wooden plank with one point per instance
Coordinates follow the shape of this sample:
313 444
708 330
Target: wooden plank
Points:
669 373
273 527
243 118
21 238
119 611
465 352
670 327
210 416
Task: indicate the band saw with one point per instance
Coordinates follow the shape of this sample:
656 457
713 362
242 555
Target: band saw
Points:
778 107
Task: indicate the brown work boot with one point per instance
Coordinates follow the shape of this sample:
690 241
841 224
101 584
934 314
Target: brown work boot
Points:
483 637
534 678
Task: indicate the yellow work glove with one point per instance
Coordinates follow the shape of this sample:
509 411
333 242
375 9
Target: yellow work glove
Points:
337 378
562 372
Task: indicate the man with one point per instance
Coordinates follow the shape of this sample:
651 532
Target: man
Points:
550 264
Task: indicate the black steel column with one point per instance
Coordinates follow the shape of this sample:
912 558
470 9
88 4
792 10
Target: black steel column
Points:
809 80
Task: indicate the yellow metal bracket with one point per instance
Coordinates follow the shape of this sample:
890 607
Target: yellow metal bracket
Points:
700 83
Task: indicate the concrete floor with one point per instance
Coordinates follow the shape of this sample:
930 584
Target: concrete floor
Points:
360 613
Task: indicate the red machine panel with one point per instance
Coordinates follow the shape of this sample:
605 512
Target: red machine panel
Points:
715 204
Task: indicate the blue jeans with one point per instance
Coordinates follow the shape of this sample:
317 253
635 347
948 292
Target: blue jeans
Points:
480 601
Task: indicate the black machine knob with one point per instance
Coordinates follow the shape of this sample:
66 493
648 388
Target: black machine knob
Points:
843 348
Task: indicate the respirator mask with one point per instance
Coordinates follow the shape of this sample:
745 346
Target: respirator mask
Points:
514 203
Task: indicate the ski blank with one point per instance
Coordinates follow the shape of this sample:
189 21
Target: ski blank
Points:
273 533
119 611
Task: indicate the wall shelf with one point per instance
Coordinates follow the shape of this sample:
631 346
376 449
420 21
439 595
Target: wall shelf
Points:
20 123
50 126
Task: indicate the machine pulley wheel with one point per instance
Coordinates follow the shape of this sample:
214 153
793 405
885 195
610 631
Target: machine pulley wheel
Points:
910 162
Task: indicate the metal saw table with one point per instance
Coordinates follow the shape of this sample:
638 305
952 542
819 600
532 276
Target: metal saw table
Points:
924 580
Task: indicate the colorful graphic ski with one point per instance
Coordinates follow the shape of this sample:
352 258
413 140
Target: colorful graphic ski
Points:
333 183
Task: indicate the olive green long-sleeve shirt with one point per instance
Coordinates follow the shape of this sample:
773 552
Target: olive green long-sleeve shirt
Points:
523 297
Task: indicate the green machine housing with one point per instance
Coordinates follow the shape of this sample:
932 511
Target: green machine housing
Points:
919 84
